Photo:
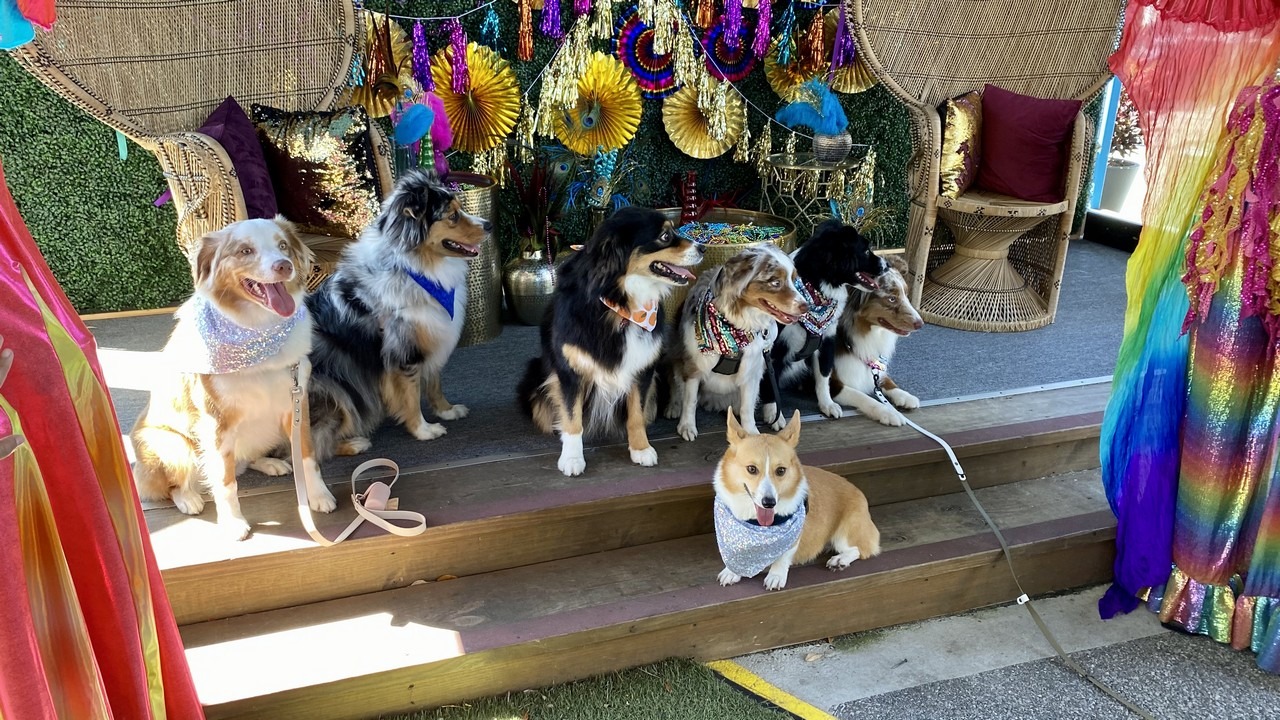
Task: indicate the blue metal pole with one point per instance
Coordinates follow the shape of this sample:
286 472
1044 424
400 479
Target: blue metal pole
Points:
1110 104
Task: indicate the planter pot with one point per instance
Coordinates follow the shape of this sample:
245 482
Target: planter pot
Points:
1118 183
483 319
832 149
530 282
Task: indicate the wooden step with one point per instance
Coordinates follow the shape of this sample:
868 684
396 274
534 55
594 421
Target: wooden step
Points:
490 516
441 642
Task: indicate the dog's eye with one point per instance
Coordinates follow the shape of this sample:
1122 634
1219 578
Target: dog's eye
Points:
753 470
284 246
891 300
246 250
780 471
775 284
453 217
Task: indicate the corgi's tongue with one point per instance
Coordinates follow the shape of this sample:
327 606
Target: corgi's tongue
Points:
764 516
279 299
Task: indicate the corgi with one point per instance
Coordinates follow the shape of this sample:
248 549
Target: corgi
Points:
771 511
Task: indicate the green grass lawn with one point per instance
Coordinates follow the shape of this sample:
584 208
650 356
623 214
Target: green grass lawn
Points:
670 690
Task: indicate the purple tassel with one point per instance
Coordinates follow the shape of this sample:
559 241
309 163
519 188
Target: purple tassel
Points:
461 81
843 53
582 7
764 18
422 58
732 22
551 20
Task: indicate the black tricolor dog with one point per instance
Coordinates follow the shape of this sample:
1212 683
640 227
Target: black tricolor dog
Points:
837 268
603 333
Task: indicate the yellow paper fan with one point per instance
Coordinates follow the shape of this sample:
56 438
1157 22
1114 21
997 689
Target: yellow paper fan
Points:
786 81
484 115
688 127
853 78
383 87
608 109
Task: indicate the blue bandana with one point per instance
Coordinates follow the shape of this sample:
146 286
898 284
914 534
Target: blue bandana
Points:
434 289
230 347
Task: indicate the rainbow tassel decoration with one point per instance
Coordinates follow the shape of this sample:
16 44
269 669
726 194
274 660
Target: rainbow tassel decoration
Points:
491 30
582 8
422 58
843 50
551 20
787 36
732 23
764 18
461 80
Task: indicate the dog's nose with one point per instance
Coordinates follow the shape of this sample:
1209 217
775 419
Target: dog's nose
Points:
917 324
802 307
768 501
282 267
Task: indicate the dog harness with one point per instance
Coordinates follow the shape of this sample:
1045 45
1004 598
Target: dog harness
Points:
747 547
715 334
822 309
435 290
646 317
229 347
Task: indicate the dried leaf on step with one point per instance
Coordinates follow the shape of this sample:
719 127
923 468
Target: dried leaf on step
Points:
813 657
442 578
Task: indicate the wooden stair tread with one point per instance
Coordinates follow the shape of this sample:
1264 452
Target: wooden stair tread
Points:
236 660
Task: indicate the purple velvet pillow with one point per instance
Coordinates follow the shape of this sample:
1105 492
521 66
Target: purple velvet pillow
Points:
232 129
1025 141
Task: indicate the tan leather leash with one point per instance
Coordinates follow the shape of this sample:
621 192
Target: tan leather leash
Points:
1023 599
375 504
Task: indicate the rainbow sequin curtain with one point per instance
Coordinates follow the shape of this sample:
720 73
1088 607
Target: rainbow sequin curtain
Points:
88 633
1182 62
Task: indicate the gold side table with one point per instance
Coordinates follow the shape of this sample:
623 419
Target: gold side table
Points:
800 188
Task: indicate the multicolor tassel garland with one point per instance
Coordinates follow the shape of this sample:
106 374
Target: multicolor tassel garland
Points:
422 58
742 151
815 45
787 35
843 50
551 20
524 36
732 23
581 7
763 149
764 18
490 30
461 80
602 20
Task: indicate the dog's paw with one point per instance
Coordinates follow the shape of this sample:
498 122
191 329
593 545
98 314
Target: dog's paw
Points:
775 580
673 410
903 399
457 412
770 410
728 577
831 410
650 413
321 500
234 528
647 457
353 446
572 465
842 560
429 431
688 431
188 502
274 467
886 415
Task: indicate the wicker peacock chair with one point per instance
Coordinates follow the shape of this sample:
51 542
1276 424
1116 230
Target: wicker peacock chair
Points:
1006 274
155 71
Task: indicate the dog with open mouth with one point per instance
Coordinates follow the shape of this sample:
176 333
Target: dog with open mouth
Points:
390 316
226 399
603 334
865 342
773 512
727 324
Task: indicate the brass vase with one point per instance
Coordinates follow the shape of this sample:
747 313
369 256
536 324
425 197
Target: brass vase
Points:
483 321
530 283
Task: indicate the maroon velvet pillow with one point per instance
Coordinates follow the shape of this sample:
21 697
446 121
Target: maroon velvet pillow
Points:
1025 141
232 129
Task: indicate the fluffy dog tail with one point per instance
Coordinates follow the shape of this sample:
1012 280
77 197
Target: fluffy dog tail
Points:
534 397
166 460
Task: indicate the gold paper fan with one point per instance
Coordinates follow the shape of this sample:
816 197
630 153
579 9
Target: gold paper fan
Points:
484 115
688 127
786 81
854 78
608 109
387 75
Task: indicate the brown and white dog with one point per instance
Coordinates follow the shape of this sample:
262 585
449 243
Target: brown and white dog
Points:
771 511
226 399
727 324
867 339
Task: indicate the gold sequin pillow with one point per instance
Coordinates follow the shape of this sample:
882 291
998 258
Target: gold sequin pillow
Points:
322 167
961 143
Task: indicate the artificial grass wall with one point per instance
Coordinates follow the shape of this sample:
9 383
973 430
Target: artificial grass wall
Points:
93 217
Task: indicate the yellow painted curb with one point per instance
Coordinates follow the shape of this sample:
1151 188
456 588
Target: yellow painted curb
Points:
758 686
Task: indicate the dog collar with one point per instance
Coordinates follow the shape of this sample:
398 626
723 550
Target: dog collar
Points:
876 365
747 547
228 346
716 334
822 309
435 290
646 317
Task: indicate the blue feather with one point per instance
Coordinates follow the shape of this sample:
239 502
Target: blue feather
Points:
817 109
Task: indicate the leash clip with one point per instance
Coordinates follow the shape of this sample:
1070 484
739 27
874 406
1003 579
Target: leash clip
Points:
1023 599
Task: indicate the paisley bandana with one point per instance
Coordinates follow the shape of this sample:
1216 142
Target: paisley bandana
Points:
747 547
646 317
228 347
715 334
822 309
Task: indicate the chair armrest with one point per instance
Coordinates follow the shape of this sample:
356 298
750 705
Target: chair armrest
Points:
1077 159
206 190
382 159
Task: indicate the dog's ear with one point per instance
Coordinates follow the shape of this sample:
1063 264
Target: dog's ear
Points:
897 262
204 253
737 271
791 433
736 433
608 254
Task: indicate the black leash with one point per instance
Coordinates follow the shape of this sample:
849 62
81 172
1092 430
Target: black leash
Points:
1023 599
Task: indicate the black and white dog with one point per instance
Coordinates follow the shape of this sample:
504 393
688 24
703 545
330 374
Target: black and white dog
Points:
390 316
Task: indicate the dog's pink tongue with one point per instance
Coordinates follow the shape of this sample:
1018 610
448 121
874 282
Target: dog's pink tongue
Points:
279 299
764 516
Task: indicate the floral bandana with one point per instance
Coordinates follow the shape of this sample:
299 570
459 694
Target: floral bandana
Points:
748 547
646 317
228 347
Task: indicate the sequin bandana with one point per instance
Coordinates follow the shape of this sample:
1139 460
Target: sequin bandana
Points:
748 547
715 334
230 347
822 309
